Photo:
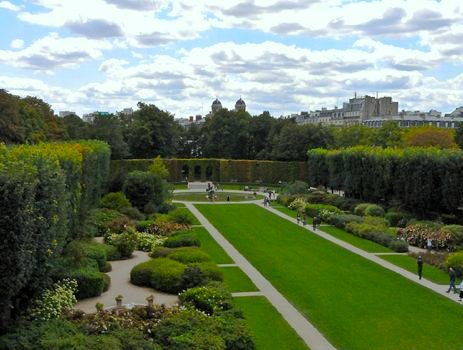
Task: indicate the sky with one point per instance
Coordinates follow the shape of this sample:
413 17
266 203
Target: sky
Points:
282 56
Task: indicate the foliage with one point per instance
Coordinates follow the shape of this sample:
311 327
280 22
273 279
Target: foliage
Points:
114 201
183 240
181 217
325 211
398 218
374 210
124 242
209 270
189 255
120 225
296 187
92 250
455 260
418 234
342 220
370 224
209 299
456 234
161 274
422 179
429 136
98 220
298 204
166 228
53 302
132 213
158 168
144 188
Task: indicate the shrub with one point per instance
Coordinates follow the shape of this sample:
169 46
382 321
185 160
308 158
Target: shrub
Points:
298 204
53 302
370 224
112 253
125 242
90 282
106 282
374 210
210 271
455 260
285 199
433 225
166 275
90 249
181 217
360 209
161 252
399 246
435 259
398 219
209 299
455 232
193 276
146 241
342 220
115 201
296 187
418 234
323 210
143 225
166 228
184 240
189 255
345 203
144 188
141 273
99 219
132 212
120 225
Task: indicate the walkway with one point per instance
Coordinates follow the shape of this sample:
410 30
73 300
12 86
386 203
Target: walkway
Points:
311 336
438 288
120 284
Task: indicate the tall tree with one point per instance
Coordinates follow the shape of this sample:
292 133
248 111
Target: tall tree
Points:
430 136
109 129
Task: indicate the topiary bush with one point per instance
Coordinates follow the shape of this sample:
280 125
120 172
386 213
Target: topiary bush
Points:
209 299
166 275
183 240
90 282
112 253
374 210
141 273
370 224
398 246
115 201
161 252
342 220
188 255
360 209
210 271
92 250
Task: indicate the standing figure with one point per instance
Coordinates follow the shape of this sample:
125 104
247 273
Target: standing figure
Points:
452 277
419 262
429 244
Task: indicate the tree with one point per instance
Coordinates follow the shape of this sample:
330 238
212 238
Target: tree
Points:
459 136
109 129
11 128
389 135
159 168
430 136
354 135
75 128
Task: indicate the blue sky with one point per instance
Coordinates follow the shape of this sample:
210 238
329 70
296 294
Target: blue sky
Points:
284 56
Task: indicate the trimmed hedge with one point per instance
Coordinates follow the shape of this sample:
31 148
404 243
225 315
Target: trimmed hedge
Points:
220 170
187 255
184 240
422 179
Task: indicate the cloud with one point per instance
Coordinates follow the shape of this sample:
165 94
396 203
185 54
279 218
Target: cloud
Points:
17 44
9 6
139 5
94 29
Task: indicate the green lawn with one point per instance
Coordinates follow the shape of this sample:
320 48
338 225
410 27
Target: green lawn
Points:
354 302
211 247
220 196
408 263
195 220
287 211
358 242
181 186
237 281
269 328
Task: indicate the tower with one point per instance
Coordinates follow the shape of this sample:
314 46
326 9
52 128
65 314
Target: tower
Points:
240 105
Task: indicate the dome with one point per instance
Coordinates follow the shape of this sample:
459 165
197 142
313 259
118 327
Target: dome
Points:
216 105
240 105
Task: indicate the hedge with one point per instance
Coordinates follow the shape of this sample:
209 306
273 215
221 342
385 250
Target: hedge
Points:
216 170
424 180
46 190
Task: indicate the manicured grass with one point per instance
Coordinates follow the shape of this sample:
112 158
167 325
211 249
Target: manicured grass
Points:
236 280
220 196
408 263
181 186
211 247
270 329
358 242
195 221
287 211
354 302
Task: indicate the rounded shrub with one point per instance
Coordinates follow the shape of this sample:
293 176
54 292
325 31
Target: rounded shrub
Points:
132 212
209 299
140 274
374 210
90 282
398 218
210 271
360 209
125 243
161 252
184 240
399 246
342 220
187 255
143 225
181 217
112 253
455 260
193 276
455 232
166 275
97 222
115 201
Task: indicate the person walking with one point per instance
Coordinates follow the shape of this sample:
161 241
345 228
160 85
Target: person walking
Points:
461 290
419 262
298 218
452 277
429 244
314 223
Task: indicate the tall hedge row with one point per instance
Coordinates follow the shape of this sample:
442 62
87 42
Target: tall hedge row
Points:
422 179
45 190
217 170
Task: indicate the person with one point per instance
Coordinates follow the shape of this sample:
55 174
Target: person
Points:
319 221
452 277
314 223
228 198
419 262
429 244
461 290
304 220
298 218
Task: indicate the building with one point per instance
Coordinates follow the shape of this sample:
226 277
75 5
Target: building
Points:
63 114
408 121
188 122
458 112
216 106
91 116
126 112
240 105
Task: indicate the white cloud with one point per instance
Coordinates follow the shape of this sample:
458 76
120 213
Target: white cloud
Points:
17 44
9 6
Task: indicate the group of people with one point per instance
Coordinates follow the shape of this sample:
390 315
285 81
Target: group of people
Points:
267 202
452 278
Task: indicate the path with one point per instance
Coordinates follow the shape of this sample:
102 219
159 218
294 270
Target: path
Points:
438 288
120 284
309 334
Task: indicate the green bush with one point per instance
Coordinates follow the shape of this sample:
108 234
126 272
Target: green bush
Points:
398 218
345 203
166 275
398 246
209 299
125 242
374 210
112 253
143 225
141 273
161 252
115 201
181 217
132 213
92 250
90 282
145 188
193 276
455 232
370 224
98 220
342 220
296 187
120 225
183 240
187 255
210 271
455 260
360 209
319 209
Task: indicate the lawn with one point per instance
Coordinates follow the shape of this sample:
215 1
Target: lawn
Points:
181 186
236 280
358 242
354 302
220 196
195 220
270 330
408 263
211 247
287 211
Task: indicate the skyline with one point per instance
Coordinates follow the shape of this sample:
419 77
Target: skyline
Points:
278 55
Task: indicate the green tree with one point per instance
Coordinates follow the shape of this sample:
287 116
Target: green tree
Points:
158 168
109 129
389 135
355 135
75 128
459 136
